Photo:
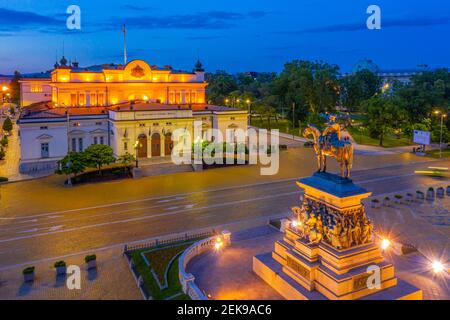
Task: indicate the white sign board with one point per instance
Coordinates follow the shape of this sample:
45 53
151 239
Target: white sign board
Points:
421 137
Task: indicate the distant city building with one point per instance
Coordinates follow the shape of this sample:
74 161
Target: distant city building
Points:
389 76
121 106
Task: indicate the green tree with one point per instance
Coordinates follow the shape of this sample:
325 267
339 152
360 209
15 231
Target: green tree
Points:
97 155
15 88
7 125
220 84
358 87
73 163
427 91
126 159
312 86
382 114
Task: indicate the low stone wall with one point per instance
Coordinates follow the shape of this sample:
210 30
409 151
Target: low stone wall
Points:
187 280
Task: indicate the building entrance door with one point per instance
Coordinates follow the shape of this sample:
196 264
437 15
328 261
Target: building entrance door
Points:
168 144
156 145
142 146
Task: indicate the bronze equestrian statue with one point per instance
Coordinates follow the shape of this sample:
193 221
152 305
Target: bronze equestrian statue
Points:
329 143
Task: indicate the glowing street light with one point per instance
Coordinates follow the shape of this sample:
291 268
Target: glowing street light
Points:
5 88
443 115
385 243
219 244
437 266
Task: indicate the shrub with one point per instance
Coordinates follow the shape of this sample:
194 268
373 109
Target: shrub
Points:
397 196
375 200
4 141
60 263
90 257
2 154
7 125
387 198
28 270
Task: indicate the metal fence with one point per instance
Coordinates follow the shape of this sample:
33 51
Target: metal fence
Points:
155 243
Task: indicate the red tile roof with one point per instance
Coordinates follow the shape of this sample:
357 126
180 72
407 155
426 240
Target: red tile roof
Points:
48 109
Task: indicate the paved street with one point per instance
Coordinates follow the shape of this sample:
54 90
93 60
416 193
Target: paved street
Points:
41 219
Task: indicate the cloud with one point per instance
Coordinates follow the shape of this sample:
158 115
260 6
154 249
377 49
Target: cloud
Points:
200 20
386 23
12 20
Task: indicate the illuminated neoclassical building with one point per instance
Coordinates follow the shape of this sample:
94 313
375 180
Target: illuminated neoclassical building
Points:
116 105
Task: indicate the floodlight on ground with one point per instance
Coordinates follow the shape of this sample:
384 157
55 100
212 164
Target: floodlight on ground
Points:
219 244
385 243
437 266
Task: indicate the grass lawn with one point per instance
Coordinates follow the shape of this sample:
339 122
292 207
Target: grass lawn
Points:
389 141
174 286
435 153
159 259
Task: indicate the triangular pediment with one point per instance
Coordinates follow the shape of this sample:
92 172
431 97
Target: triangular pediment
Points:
76 132
98 131
44 137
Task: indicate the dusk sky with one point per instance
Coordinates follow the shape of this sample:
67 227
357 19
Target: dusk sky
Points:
232 35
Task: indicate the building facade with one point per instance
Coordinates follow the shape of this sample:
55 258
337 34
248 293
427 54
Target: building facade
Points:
133 108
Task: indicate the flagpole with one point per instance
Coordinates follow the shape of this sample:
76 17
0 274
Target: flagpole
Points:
124 30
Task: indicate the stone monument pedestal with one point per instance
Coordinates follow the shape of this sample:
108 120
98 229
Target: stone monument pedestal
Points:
339 266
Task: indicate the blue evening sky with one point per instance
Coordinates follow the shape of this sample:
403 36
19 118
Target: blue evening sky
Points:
232 35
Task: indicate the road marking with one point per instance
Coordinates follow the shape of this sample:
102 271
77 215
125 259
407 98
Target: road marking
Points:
55 228
222 226
29 230
185 194
146 217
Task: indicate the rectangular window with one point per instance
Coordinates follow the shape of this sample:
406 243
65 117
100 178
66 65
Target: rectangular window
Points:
80 144
98 123
44 128
100 101
125 146
82 99
74 144
95 140
102 140
73 99
93 99
193 97
44 150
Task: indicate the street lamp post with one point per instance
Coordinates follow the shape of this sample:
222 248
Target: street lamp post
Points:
136 145
249 112
443 115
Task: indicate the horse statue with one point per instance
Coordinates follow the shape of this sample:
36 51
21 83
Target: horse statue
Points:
329 143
